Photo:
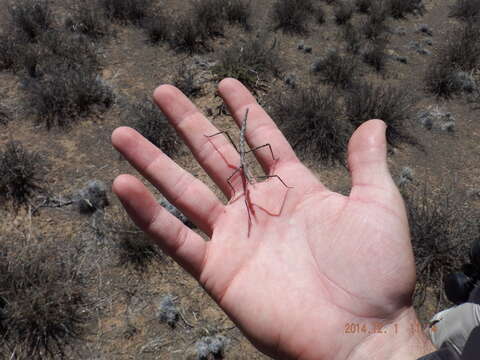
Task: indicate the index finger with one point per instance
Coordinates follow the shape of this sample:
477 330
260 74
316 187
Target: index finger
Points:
260 128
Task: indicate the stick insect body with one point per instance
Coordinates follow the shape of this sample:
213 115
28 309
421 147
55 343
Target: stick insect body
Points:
246 176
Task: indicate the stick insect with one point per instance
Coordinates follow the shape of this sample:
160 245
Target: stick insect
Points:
243 169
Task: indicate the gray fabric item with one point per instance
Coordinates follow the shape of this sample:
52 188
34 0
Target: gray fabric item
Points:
454 325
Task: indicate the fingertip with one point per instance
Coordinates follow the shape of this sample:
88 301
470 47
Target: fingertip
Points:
123 184
164 92
122 135
229 85
369 134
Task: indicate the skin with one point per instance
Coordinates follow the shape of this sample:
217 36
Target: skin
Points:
314 261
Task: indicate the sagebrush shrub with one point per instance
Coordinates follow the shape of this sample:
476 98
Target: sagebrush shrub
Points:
126 11
21 173
336 69
312 121
88 19
42 300
149 121
292 15
393 105
250 62
59 98
441 234
31 17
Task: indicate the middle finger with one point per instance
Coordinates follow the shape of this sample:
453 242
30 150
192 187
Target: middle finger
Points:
216 155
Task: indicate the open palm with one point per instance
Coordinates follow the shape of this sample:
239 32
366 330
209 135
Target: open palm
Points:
311 263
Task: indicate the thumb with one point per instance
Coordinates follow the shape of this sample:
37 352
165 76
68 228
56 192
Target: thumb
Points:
367 162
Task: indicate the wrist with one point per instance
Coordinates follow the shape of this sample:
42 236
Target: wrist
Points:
401 339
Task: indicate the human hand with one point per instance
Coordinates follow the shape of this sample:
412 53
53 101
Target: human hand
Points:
301 276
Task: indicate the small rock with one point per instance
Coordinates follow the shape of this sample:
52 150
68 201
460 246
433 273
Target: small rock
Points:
415 45
211 345
406 176
93 197
167 311
464 81
434 118
307 49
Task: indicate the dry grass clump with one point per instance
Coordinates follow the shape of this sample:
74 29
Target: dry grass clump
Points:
4 115
251 62
126 11
209 16
292 15
375 55
42 299
461 53
21 173
313 123
187 36
374 26
31 17
88 19
337 69
149 121
158 28
391 104
59 98
441 232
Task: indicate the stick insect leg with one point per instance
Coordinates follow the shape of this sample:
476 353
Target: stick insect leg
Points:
230 177
275 176
226 133
260 147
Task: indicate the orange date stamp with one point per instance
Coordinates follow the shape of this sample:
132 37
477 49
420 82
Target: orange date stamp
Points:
383 328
